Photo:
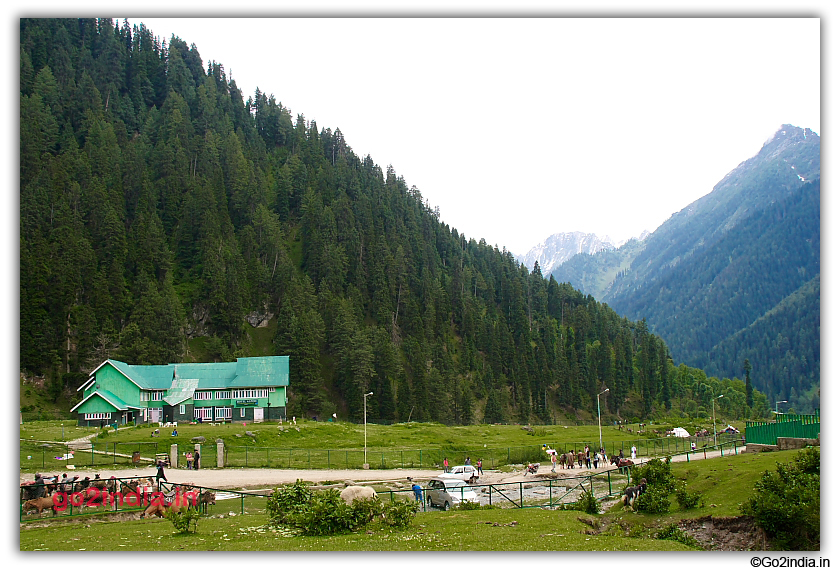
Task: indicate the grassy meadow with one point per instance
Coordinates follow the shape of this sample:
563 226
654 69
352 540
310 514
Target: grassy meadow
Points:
725 483
311 444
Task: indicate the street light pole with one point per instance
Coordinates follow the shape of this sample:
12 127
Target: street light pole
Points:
714 421
600 436
365 398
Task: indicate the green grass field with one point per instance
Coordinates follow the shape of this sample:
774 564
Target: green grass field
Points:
725 483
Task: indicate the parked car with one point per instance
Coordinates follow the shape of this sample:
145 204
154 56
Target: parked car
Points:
447 492
466 473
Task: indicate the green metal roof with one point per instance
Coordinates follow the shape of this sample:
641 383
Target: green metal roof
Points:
108 397
252 372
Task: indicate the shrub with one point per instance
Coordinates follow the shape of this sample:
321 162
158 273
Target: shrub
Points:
658 474
184 519
786 503
472 506
400 512
673 532
587 503
689 499
319 513
654 501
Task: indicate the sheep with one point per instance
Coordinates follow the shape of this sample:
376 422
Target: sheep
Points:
353 492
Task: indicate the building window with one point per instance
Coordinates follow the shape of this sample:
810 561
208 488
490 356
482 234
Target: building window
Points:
98 416
223 394
203 413
208 395
224 413
182 409
241 412
251 393
152 396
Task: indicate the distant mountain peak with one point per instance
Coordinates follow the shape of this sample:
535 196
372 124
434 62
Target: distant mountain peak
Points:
559 247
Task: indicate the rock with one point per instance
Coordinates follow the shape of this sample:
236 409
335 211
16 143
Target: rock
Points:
237 435
198 439
219 440
349 482
250 434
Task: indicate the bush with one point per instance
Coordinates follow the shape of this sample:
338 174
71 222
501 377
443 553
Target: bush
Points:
400 512
673 532
654 501
319 513
689 499
472 506
184 519
658 474
587 503
786 503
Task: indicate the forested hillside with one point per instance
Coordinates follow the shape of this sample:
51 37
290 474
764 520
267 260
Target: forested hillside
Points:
710 279
163 210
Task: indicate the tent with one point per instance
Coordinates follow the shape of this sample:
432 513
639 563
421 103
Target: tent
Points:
680 432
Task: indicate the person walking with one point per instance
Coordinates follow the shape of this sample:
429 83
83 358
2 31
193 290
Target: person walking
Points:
189 460
595 459
553 462
633 452
467 460
160 474
445 465
196 460
478 466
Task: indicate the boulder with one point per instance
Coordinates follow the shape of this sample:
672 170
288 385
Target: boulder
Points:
198 439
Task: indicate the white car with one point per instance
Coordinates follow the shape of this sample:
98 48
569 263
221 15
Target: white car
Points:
446 492
466 473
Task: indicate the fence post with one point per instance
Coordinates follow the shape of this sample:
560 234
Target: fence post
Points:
246 456
328 459
609 483
421 458
521 503
309 458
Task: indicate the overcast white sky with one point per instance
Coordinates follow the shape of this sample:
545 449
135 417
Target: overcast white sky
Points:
521 128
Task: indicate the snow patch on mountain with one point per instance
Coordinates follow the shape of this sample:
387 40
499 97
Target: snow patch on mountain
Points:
561 247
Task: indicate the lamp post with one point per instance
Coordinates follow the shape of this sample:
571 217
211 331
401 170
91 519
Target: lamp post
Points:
600 437
777 408
365 398
714 421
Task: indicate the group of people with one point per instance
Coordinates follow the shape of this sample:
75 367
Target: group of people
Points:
586 457
467 461
193 462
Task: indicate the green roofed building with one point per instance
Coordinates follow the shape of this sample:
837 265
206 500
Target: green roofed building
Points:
250 389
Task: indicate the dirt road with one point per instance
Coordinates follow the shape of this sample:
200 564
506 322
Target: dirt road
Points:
239 478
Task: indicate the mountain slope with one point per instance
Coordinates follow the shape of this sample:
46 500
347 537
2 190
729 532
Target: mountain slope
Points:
162 210
724 261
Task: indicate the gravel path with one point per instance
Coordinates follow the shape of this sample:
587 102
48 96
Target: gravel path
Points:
238 478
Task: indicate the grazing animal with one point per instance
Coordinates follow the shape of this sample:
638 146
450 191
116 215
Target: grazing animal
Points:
353 492
632 493
39 505
81 485
561 459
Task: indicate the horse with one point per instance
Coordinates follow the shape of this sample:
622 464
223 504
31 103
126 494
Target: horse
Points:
632 493
39 505
621 462
561 459
570 459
